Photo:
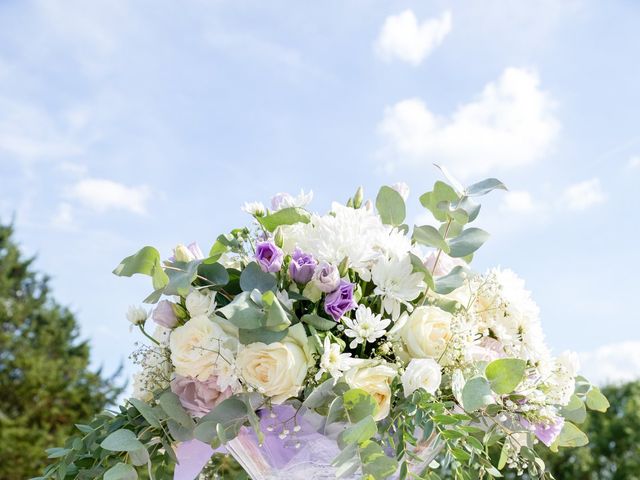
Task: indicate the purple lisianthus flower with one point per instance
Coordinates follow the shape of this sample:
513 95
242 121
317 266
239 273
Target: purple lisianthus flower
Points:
164 315
269 256
302 266
340 301
545 432
199 398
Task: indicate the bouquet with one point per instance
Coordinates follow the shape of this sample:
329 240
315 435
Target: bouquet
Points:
343 345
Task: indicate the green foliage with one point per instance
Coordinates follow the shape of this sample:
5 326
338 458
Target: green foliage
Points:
390 206
286 216
505 374
613 451
45 382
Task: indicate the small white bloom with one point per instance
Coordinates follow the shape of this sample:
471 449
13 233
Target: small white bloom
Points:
333 361
254 208
396 283
366 327
285 200
421 373
137 315
403 189
200 303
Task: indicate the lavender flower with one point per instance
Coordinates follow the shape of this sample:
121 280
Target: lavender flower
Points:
302 266
269 256
197 397
340 301
545 432
164 315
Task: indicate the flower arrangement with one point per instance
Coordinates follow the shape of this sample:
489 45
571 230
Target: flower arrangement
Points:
348 328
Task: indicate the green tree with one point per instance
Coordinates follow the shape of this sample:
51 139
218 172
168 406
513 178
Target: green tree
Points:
613 452
45 382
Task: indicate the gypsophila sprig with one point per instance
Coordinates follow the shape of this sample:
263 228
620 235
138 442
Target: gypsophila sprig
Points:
341 344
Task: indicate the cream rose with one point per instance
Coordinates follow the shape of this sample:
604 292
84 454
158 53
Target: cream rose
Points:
197 347
421 373
375 379
425 333
278 369
200 303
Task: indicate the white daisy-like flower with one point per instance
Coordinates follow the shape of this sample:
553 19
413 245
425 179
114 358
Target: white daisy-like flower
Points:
332 361
396 283
254 208
365 327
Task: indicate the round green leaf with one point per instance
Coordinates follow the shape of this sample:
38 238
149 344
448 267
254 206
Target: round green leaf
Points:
505 374
122 440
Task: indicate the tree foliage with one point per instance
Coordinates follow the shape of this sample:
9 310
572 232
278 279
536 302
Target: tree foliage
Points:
45 382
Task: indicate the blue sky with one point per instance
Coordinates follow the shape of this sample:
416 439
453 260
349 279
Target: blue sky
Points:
132 123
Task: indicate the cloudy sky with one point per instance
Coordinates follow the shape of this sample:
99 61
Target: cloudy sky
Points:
150 122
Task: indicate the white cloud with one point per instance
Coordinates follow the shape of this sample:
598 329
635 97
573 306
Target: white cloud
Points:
618 362
518 201
101 195
510 124
63 217
583 195
404 38
634 162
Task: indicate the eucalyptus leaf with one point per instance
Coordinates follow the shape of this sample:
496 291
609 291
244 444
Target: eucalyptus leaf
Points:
122 440
253 278
215 273
243 312
441 193
181 276
121 471
484 187
476 394
358 404
575 411
467 242
375 463
318 322
571 436
146 262
146 411
390 206
359 432
431 237
286 216
262 334
170 403
505 374
596 400
454 279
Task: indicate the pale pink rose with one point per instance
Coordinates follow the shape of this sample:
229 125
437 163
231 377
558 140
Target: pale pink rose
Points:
197 397
445 263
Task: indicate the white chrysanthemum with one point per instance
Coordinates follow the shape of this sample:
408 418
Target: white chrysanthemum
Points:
254 208
332 361
561 384
137 315
286 200
396 283
365 327
349 233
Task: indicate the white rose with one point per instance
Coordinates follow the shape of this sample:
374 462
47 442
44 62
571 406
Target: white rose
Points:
200 303
198 347
326 277
421 373
425 333
136 315
375 379
278 369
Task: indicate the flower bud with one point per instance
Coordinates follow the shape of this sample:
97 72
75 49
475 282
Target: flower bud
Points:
343 268
136 315
359 196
